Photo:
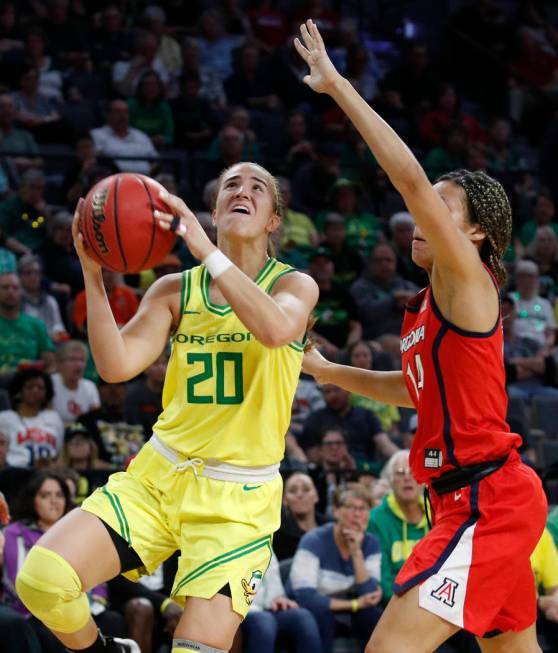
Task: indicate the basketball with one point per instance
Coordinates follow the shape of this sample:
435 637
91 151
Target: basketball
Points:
118 225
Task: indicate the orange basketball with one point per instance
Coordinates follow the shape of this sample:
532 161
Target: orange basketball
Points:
118 225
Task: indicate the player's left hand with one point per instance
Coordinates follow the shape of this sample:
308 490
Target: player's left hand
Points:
283 603
184 222
323 75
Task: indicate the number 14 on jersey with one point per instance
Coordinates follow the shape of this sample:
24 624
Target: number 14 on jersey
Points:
417 375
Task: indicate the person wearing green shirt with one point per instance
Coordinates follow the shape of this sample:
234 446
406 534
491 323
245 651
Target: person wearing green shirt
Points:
150 112
399 521
544 213
23 338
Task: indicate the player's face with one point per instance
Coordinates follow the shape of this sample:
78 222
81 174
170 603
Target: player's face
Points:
245 207
50 502
455 199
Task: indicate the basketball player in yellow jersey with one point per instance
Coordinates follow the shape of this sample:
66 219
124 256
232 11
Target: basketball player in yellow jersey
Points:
207 482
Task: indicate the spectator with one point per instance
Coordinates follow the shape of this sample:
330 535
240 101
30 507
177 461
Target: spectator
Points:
313 180
337 324
76 182
544 251
363 431
20 143
273 616
24 216
117 138
250 83
50 79
307 399
361 355
401 231
123 301
35 111
297 230
144 397
80 452
298 516
36 301
35 432
381 295
503 156
193 114
11 36
336 569
73 395
168 51
399 522
117 440
347 261
239 118
43 501
149 110
111 40
23 338
295 149
126 74
544 213
450 154
60 262
269 25
231 145
215 45
362 227
535 318
211 85
528 365
544 561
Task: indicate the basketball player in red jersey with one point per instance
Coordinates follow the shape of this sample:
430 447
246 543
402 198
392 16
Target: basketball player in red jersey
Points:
472 570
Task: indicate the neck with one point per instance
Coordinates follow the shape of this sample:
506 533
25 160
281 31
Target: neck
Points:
246 255
33 294
43 526
411 510
81 464
10 313
25 410
71 384
306 521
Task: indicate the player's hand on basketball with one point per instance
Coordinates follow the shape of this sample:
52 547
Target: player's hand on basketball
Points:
315 364
323 75
180 219
87 263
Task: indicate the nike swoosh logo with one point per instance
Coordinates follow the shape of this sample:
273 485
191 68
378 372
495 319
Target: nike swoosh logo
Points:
247 488
192 312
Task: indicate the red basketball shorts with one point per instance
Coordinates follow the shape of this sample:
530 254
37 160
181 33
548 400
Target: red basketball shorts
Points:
473 567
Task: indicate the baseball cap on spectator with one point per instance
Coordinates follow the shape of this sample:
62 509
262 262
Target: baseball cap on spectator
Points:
74 430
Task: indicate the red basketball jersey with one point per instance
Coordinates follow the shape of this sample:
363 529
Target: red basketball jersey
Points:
456 380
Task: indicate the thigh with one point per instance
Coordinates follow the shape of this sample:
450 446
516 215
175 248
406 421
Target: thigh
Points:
522 642
210 621
406 628
83 541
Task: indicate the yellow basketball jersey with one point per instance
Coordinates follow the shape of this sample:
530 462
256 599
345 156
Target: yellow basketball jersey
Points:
226 396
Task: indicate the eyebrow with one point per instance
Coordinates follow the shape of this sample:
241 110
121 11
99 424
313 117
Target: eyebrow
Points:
234 177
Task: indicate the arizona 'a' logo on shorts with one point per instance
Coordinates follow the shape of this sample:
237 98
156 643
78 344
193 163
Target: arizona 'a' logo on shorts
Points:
446 592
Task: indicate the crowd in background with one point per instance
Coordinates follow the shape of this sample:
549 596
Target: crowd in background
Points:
179 91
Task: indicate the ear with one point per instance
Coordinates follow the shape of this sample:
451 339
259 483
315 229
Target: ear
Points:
213 213
475 233
273 223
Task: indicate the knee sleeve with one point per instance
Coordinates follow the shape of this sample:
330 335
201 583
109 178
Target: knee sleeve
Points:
186 645
51 590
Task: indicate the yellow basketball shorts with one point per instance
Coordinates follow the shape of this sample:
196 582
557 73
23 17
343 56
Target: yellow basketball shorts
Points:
223 529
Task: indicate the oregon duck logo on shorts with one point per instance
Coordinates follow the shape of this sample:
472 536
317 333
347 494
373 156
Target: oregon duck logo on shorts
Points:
250 587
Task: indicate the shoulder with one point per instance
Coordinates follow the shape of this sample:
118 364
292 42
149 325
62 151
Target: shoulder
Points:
314 539
7 417
295 282
370 544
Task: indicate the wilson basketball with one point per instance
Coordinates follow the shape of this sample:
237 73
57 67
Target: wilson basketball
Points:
118 225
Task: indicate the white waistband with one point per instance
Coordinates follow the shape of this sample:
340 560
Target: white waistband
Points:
215 469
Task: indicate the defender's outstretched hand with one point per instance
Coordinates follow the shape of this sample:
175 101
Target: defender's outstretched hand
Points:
323 74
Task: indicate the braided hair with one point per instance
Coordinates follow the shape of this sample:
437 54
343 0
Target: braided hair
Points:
489 207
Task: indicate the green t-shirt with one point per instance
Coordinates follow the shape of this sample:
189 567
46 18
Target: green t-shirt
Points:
529 229
552 524
362 230
152 120
22 339
23 222
297 229
386 413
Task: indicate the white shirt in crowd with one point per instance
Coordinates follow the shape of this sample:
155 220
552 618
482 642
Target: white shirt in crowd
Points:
70 404
135 143
31 438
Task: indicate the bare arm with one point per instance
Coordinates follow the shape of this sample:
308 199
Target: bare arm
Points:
387 387
276 319
385 445
122 354
452 250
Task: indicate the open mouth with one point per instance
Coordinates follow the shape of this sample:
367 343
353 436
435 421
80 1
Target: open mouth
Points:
240 208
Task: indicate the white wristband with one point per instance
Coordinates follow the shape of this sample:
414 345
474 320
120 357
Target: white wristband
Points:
217 263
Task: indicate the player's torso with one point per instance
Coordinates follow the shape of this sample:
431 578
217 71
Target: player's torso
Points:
456 380
226 396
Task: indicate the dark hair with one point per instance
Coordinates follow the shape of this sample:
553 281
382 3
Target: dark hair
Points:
489 207
150 73
329 429
24 505
20 378
354 345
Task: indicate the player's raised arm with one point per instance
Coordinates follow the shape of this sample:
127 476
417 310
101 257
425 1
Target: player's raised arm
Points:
452 249
121 355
